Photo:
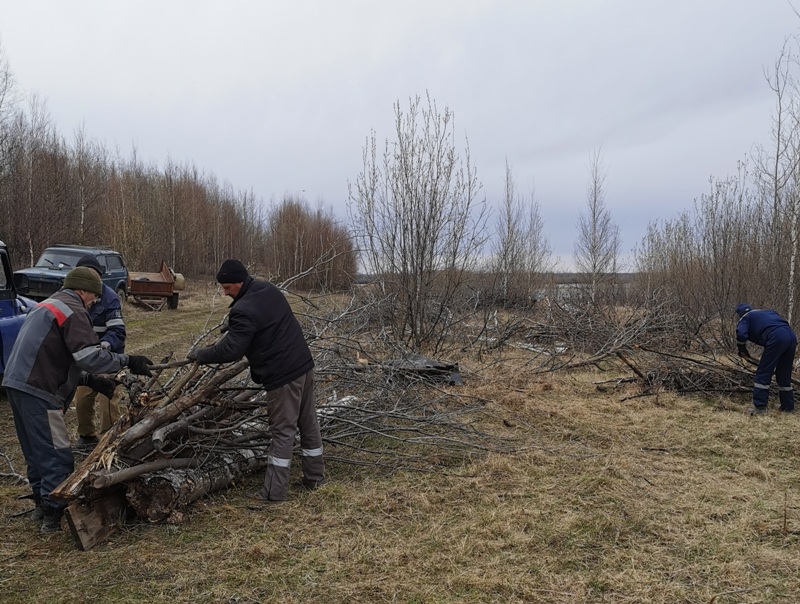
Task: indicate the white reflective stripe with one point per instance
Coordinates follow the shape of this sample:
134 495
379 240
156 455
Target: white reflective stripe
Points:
762 386
311 452
115 322
785 388
278 461
98 329
85 352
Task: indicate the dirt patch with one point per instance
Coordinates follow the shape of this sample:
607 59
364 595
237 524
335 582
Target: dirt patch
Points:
158 333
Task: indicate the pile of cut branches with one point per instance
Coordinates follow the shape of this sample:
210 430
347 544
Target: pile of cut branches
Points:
191 430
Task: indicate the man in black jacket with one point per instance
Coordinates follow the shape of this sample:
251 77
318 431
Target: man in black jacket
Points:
262 327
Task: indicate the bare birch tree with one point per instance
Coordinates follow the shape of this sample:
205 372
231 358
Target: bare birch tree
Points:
89 186
35 133
521 252
8 102
597 245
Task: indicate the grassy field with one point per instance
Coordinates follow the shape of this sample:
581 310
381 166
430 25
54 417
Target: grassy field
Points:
652 499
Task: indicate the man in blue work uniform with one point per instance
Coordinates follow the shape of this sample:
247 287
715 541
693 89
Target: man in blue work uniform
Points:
106 317
768 329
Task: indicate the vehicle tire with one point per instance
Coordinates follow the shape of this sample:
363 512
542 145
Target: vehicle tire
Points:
121 294
173 301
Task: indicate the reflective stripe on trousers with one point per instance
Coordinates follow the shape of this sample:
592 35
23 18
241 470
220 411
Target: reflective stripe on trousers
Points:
292 407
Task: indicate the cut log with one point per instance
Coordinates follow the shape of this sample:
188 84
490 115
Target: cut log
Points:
91 522
122 436
156 496
71 487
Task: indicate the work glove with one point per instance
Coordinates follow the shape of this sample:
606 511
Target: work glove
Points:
192 355
102 385
138 364
742 348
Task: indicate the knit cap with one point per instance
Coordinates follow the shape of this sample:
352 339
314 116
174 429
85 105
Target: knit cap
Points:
91 262
232 271
84 278
743 309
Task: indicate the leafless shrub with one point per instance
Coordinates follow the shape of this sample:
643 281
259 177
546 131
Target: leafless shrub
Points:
521 252
419 223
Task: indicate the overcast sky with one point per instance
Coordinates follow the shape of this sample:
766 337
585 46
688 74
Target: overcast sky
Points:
279 97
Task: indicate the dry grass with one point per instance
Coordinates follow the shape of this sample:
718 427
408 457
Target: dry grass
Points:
668 499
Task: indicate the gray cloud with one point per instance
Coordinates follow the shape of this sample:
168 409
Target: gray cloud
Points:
279 97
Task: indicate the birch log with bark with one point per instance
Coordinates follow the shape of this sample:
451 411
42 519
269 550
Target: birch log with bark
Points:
157 495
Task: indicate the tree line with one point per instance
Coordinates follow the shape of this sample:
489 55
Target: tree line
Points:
57 191
419 224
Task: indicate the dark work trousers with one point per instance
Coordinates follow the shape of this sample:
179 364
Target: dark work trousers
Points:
291 408
43 437
777 358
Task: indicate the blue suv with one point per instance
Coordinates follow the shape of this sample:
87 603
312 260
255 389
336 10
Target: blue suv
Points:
46 277
13 307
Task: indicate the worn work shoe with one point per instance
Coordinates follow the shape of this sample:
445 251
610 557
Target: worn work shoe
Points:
259 499
786 410
756 410
51 522
37 515
87 443
311 485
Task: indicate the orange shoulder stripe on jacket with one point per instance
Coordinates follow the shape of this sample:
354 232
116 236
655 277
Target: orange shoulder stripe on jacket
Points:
60 316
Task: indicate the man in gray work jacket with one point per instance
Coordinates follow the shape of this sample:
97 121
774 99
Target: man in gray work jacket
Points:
56 350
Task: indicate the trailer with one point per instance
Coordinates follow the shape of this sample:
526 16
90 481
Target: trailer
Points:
156 290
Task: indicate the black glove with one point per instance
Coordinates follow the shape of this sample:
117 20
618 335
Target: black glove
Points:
742 348
192 355
138 364
102 385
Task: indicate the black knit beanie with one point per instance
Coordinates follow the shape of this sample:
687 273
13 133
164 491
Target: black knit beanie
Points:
232 271
91 262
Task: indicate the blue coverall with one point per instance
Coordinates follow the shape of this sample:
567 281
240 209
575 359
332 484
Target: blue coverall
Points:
768 329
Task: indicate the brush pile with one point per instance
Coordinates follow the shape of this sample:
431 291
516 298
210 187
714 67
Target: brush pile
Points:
191 430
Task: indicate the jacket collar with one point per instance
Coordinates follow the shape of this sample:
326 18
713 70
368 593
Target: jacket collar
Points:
245 287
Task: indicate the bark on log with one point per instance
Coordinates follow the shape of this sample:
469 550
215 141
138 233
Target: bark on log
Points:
106 480
156 496
120 439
